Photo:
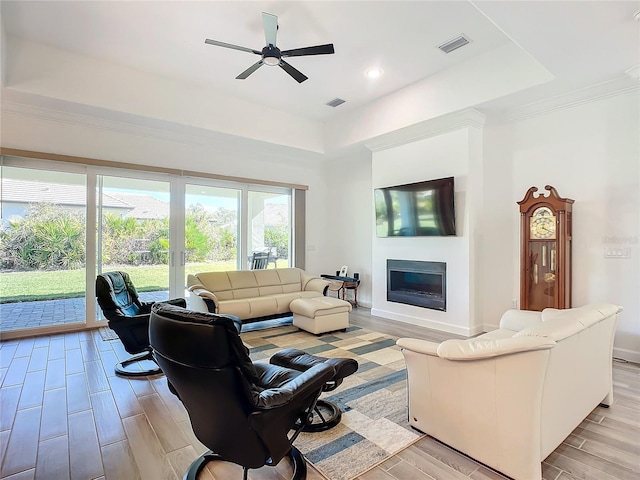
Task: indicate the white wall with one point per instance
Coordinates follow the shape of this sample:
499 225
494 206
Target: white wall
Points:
348 209
443 155
590 153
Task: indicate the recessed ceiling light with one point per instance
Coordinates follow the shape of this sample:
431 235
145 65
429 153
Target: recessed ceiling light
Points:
373 72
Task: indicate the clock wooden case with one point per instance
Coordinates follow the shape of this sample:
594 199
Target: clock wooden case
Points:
545 250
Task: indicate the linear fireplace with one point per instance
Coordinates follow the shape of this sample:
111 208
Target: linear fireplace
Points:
412 282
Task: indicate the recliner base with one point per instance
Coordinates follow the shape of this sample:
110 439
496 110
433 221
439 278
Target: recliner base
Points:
326 415
121 367
297 461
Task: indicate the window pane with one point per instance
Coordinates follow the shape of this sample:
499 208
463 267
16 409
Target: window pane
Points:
269 229
211 228
133 233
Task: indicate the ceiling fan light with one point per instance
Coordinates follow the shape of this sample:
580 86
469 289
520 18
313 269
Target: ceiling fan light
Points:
271 61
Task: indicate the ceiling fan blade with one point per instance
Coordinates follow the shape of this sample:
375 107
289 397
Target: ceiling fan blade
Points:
270 24
317 50
250 70
296 74
229 45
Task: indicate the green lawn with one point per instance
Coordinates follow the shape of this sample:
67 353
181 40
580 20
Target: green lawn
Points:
51 285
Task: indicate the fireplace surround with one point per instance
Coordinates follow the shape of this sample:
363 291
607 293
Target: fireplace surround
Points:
418 283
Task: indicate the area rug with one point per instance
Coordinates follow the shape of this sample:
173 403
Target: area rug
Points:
374 422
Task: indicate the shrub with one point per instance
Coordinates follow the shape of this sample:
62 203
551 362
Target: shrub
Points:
48 238
278 237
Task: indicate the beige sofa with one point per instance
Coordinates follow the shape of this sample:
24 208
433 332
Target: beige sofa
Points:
509 397
252 294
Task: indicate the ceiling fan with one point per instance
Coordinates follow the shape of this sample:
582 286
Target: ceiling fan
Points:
272 55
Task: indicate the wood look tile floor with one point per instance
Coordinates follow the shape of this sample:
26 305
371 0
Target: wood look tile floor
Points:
65 415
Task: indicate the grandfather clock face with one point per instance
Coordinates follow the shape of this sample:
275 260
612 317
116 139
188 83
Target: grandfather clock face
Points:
542 224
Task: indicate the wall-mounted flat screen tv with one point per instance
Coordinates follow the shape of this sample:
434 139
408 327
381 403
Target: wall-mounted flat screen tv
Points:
420 209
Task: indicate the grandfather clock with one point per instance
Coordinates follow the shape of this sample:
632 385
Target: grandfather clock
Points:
545 250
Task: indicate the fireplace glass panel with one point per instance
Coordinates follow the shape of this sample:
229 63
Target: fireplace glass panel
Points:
418 283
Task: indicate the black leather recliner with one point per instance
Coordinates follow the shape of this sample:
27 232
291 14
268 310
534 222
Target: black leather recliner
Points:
129 318
242 411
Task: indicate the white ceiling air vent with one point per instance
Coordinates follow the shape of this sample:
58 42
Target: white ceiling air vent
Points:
453 44
335 102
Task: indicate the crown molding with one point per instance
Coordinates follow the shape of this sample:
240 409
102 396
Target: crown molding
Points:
593 93
428 128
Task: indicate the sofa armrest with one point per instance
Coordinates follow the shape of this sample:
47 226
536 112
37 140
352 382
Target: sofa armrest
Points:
517 320
205 297
419 346
475 349
315 284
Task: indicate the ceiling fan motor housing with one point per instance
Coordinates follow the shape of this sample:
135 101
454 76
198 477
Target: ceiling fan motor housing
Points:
271 55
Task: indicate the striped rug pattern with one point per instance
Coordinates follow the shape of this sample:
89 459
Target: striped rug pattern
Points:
374 423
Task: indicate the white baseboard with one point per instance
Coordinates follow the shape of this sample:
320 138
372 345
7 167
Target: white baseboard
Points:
628 355
423 322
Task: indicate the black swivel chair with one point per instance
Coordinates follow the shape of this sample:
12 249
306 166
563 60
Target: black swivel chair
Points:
240 410
129 318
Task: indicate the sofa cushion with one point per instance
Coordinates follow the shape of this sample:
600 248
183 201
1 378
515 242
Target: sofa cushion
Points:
268 278
496 334
472 349
557 329
270 290
516 320
215 281
549 313
290 276
242 279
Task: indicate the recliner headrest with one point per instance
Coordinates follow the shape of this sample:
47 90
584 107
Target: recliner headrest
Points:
115 290
198 339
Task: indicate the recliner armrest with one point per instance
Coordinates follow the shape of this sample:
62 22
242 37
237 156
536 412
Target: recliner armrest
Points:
117 319
178 302
302 385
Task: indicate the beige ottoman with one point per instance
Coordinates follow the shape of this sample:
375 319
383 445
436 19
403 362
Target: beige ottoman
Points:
320 314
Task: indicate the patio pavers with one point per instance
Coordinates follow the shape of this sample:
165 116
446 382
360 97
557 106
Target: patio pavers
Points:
19 315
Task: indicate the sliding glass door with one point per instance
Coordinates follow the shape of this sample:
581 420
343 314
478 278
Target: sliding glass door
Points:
42 248
133 234
63 224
